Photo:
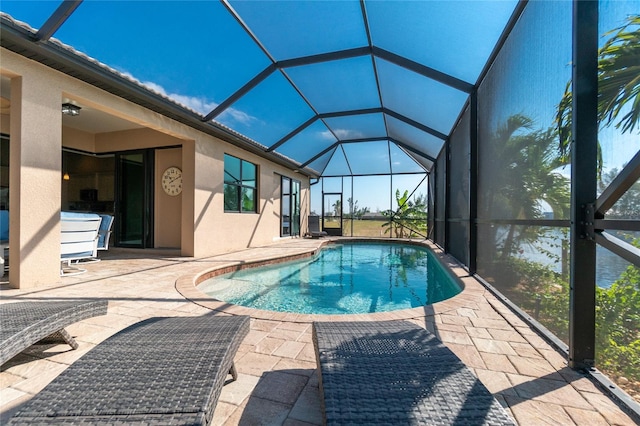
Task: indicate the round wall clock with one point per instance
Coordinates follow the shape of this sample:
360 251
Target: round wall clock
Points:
172 181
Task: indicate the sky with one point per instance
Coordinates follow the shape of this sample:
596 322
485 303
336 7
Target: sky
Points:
199 56
196 53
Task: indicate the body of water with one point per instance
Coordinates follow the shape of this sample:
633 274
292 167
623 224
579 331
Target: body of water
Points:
609 266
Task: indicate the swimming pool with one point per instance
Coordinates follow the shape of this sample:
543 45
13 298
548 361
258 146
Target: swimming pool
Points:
349 278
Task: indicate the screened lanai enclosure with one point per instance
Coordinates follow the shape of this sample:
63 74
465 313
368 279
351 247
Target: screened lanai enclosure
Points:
507 132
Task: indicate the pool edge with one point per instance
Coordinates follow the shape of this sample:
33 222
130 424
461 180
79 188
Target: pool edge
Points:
187 286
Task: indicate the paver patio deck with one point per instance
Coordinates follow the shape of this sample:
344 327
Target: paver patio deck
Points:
278 383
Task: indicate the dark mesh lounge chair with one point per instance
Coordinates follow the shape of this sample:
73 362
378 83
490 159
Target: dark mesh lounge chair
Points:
159 371
24 323
314 227
394 372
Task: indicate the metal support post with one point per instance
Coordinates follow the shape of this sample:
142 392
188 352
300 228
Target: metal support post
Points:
473 183
584 151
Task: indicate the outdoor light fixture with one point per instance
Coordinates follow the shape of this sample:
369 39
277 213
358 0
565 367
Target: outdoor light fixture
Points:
65 176
71 109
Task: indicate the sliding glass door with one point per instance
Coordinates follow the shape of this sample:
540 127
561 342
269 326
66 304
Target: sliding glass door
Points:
290 207
134 199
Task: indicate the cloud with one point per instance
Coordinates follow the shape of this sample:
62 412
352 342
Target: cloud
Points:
198 104
194 103
327 135
238 116
341 134
201 105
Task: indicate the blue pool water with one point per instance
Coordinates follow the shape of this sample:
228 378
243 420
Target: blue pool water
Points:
342 279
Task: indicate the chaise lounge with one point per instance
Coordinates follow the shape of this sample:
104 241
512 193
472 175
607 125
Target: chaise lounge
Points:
395 372
78 240
314 227
26 323
158 371
104 234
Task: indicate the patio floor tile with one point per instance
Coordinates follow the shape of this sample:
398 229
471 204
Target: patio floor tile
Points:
491 323
506 335
493 346
612 413
551 391
586 417
255 363
308 408
478 332
258 411
239 390
280 386
458 320
307 353
278 381
468 354
496 382
296 366
268 345
222 413
454 337
289 349
497 362
528 412
535 367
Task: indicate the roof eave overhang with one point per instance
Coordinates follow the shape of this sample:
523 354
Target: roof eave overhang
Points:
20 40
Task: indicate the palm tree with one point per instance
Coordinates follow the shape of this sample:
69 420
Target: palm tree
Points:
409 218
337 208
618 84
528 175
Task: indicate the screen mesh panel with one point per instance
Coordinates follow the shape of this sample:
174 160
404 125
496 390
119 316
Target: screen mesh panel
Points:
264 69
302 26
529 265
268 112
440 200
400 27
108 31
522 175
430 102
618 281
348 84
459 167
305 145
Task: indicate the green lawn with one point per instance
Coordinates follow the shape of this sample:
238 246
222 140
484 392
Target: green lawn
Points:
361 228
364 228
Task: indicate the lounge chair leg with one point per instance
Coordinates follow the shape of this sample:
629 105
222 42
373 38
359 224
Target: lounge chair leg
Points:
68 270
67 338
61 335
233 372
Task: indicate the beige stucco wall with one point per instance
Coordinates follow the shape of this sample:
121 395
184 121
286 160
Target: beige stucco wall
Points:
168 208
34 223
133 139
36 169
77 139
217 231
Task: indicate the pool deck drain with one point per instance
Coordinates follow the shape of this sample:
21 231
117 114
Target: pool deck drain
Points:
277 382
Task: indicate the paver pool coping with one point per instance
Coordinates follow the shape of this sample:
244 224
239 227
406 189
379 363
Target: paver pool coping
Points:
187 286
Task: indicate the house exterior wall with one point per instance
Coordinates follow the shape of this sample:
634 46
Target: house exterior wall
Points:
35 186
167 208
199 225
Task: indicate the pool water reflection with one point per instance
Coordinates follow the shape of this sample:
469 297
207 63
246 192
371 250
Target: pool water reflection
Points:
342 279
